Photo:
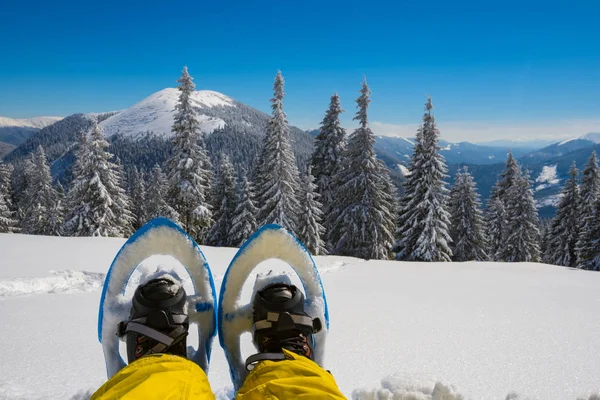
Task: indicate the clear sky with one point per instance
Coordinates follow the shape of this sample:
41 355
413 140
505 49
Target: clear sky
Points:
494 69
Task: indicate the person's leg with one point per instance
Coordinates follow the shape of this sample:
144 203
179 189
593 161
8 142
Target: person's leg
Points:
158 376
296 377
156 349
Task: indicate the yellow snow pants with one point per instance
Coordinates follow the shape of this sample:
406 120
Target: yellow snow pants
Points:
164 376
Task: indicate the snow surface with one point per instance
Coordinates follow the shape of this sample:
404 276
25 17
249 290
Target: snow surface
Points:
548 175
37 122
398 330
156 113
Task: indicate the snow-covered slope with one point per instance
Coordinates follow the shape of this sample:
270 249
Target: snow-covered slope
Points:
592 137
37 122
419 331
155 113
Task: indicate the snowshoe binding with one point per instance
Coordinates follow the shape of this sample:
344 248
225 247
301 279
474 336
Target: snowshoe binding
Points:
280 322
158 321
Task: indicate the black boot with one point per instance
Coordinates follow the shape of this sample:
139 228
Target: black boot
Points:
280 322
158 322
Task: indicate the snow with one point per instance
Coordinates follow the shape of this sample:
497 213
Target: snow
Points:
592 136
548 175
399 330
37 122
156 112
549 201
404 170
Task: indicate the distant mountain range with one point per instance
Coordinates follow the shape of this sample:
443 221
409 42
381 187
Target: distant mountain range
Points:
14 132
139 135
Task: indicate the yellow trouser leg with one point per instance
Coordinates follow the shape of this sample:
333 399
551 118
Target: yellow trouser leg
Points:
159 376
297 377
164 376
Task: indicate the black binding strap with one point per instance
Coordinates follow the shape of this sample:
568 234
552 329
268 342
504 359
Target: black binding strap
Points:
254 359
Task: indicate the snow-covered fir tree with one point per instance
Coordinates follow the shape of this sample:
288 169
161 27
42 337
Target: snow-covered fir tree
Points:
278 183
588 251
156 205
423 220
466 218
8 220
123 205
389 195
243 223
544 233
95 208
56 217
188 188
310 230
40 196
521 235
138 198
495 218
225 199
327 157
587 246
564 228
496 206
512 172
361 227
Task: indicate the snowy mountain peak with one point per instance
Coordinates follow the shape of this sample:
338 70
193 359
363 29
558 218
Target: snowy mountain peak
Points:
36 122
156 112
592 137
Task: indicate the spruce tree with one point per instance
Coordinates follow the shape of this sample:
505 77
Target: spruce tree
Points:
544 234
278 180
423 230
243 223
96 205
155 197
123 206
521 235
564 228
56 217
40 196
138 198
589 255
8 221
76 216
327 158
310 230
361 227
225 198
468 239
496 206
495 221
188 186
590 190
508 178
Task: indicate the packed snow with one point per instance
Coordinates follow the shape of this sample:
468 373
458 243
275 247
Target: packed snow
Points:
399 330
37 122
155 113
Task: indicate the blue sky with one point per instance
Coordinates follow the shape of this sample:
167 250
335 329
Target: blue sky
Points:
507 69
